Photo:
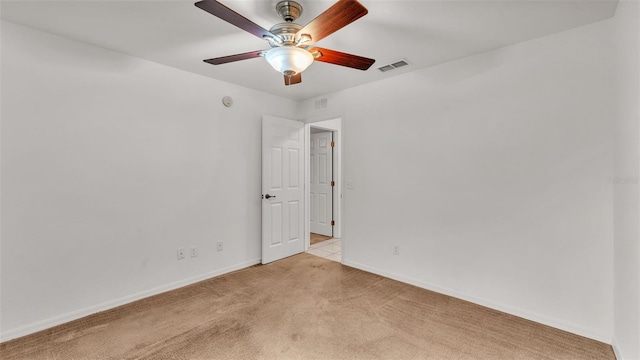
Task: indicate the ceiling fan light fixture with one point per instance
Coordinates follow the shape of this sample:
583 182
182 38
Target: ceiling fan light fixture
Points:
289 60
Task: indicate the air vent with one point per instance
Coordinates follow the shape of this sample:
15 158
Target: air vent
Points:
394 65
321 104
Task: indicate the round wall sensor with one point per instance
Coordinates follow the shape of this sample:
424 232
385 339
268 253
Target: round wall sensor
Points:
227 101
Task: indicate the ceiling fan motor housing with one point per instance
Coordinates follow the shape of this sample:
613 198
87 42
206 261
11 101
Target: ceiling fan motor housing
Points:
289 10
286 31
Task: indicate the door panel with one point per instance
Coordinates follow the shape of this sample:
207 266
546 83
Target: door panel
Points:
282 176
276 168
294 221
294 168
276 223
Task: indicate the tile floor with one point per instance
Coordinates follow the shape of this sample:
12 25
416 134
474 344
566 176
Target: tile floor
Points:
330 249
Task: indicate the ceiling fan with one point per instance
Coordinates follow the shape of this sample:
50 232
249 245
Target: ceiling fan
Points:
290 53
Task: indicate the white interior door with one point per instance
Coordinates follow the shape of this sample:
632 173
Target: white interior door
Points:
321 175
282 188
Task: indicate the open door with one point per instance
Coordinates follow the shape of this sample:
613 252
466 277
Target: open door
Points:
282 188
321 183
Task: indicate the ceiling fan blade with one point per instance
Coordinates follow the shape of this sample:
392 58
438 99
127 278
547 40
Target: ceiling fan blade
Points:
292 80
342 59
236 57
339 15
217 9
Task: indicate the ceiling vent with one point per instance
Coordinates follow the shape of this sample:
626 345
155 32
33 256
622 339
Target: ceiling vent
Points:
394 65
400 63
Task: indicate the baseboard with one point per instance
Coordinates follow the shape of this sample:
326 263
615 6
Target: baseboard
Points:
616 350
61 319
545 320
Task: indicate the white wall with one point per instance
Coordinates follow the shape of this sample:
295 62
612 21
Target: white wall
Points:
490 173
625 184
109 164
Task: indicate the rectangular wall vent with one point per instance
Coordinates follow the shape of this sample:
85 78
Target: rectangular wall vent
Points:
321 104
394 65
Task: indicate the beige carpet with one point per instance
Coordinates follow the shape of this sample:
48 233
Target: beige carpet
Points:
316 238
303 307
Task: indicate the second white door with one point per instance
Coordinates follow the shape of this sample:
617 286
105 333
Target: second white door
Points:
321 177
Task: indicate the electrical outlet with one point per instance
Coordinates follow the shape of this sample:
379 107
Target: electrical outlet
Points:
194 251
180 253
219 246
396 249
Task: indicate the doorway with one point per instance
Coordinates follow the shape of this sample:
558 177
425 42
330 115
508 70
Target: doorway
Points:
321 184
323 225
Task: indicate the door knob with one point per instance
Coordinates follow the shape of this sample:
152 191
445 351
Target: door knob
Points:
269 196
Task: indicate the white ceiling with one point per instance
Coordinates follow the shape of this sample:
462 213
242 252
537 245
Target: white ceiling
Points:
426 33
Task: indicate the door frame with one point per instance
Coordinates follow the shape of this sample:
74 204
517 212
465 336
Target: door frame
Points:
334 126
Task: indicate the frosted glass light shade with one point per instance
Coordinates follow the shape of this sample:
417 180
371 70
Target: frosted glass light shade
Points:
289 60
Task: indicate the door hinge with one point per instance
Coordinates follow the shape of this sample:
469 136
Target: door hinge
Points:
333 144
333 183
333 223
